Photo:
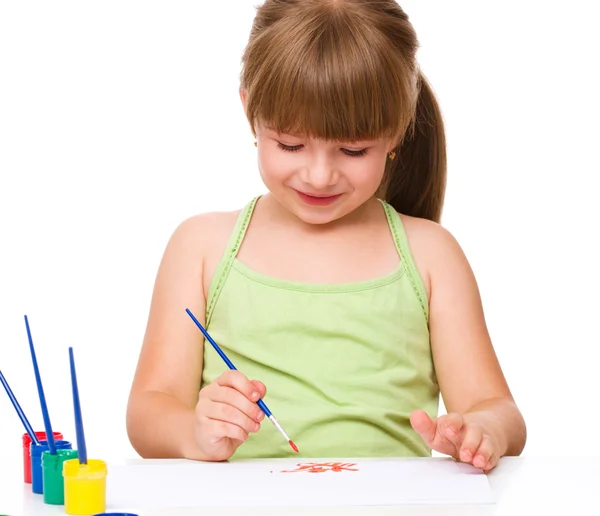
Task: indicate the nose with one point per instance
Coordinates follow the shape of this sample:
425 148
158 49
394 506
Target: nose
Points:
320 173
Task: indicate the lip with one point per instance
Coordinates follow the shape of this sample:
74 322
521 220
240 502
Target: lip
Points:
318 200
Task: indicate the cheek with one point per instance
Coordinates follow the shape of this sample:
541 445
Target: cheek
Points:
273 167
368 174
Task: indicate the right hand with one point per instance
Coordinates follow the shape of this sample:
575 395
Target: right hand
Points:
226 413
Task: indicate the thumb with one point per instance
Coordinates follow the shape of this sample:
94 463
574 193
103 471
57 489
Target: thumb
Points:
423 425
260 387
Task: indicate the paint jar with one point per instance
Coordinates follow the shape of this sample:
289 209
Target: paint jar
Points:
54 482
37 476
27 453
85 486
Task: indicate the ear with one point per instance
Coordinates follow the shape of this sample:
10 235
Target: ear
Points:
393 143
243 98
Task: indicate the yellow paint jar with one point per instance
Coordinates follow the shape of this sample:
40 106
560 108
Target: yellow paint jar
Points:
85 486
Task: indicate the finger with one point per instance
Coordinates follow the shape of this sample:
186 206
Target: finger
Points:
492 462
217 430
423 425
484 453
229 414
222 407
452 427
235 398
260 387
240 383
471 442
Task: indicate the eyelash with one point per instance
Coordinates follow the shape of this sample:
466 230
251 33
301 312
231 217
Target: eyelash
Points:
354 154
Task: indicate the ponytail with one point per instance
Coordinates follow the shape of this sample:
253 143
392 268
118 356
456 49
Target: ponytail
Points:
415 182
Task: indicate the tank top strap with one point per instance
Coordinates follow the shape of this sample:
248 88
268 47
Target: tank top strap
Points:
403 248
231 250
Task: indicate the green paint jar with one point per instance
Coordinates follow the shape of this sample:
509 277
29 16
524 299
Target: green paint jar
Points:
52 468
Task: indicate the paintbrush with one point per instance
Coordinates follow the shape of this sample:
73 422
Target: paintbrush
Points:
81 447
19 410
38 379
260 402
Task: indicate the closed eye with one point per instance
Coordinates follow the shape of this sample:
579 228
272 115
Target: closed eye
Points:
361 152
294 148
288 148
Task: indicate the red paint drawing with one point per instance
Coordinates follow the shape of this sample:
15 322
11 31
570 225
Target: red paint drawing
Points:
315 467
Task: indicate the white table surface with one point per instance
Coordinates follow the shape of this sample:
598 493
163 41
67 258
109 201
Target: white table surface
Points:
521 485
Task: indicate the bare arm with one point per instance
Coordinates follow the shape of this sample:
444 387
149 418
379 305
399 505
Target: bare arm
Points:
471 380
478 400
160 412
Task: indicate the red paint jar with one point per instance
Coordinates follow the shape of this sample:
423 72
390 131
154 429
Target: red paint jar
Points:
26 451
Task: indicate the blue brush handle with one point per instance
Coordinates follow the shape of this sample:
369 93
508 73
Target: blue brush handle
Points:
81 448
38 379
229 363
20 412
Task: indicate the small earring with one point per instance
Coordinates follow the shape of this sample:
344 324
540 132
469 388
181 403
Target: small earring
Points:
255 144
392 155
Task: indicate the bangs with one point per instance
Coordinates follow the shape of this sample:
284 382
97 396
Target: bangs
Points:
329 78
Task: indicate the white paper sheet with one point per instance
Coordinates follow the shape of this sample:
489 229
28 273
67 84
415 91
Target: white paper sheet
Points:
262 483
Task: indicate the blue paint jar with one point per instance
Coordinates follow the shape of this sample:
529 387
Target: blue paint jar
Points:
37 476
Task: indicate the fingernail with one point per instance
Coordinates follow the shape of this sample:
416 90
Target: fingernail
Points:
260 416
255 395
465 455
256 427
451 430
479 461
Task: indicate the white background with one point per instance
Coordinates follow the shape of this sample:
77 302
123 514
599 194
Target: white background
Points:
120 119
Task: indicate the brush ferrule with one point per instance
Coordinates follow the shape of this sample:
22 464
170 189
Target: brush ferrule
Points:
278 426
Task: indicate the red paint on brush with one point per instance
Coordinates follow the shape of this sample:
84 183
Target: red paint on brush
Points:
293 446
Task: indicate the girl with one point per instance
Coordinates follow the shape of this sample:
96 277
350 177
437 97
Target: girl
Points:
337 295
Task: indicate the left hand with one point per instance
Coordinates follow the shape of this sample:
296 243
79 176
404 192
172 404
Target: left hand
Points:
452 435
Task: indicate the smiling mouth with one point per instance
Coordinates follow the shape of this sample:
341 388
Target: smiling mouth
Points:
318 199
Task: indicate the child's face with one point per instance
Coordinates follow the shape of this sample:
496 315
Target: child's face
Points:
320 181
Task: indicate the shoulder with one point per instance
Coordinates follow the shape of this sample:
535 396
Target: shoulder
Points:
434 248
428 235
192 240
198 242
198 234
200 230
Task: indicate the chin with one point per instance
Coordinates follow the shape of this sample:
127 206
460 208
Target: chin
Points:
314 218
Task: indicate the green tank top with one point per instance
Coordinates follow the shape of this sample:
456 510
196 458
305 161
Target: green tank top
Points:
344 364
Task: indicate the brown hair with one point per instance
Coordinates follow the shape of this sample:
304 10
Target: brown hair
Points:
346 70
